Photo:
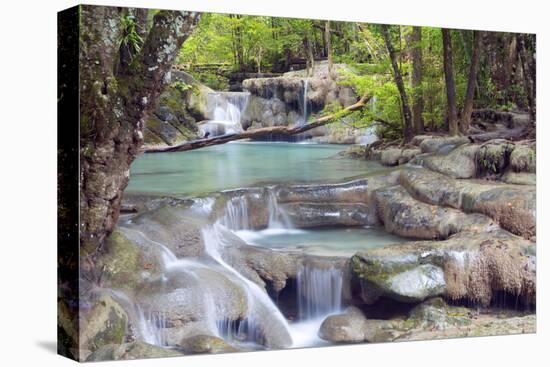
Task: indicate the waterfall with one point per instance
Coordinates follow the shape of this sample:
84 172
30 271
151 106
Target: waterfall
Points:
261 309
303 121
224 113
319 291
278 217
236 214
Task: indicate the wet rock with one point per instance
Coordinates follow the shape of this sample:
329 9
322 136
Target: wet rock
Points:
263 266
493 157
459 163
403 215
383 331
206 344
171 226
308 215
134 350
104 323
397 156
348 192
523 158
512 207
470 266
434 144
519 178
348 327
198 293
435 314
390 157
483 325
124 263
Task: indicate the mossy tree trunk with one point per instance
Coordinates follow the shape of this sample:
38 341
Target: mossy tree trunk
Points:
527 52
114 103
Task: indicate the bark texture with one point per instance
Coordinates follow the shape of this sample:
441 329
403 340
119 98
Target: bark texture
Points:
470 89
449 81
113 109
416 80
405 108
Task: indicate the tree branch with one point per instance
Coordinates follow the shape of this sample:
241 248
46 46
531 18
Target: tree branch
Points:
254 133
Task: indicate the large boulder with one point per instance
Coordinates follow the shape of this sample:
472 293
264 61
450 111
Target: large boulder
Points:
470 266
348 327
458 163
205 344
102 323
439 144
493 157
125 263
524 158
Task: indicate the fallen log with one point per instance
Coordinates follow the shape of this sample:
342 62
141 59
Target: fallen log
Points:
254 133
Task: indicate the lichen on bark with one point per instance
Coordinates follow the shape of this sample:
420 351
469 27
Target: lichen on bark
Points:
114 105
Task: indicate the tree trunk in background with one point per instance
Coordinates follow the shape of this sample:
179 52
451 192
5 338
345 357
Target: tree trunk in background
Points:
113 109
449 82
405 109
329 47
416 80
310 60
527 49
470 89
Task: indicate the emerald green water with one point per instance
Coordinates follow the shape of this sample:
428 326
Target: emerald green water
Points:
235 165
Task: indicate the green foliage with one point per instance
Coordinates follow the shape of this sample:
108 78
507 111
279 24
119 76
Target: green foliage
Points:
130 37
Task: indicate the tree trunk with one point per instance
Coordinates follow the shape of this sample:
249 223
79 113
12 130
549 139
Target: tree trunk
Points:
113 109
527 48
470 89
329 47
310 58
405 109
416 81
449 82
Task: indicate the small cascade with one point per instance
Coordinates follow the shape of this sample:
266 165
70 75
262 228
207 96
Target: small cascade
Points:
261 309
278 217
224 113
236 214
303 121
152 326
319 291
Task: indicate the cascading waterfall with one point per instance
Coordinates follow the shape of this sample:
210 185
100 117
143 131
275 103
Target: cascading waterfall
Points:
304 103
278 217
261 308
319 291
236 214
224 111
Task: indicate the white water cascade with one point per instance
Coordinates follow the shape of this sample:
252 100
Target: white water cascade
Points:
319 284
224 113
319 291
303 120
261 309
264 323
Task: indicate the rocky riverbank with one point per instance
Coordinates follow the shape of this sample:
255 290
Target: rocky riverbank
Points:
176 275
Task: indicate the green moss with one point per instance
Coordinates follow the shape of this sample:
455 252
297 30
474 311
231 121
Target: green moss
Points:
122 263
